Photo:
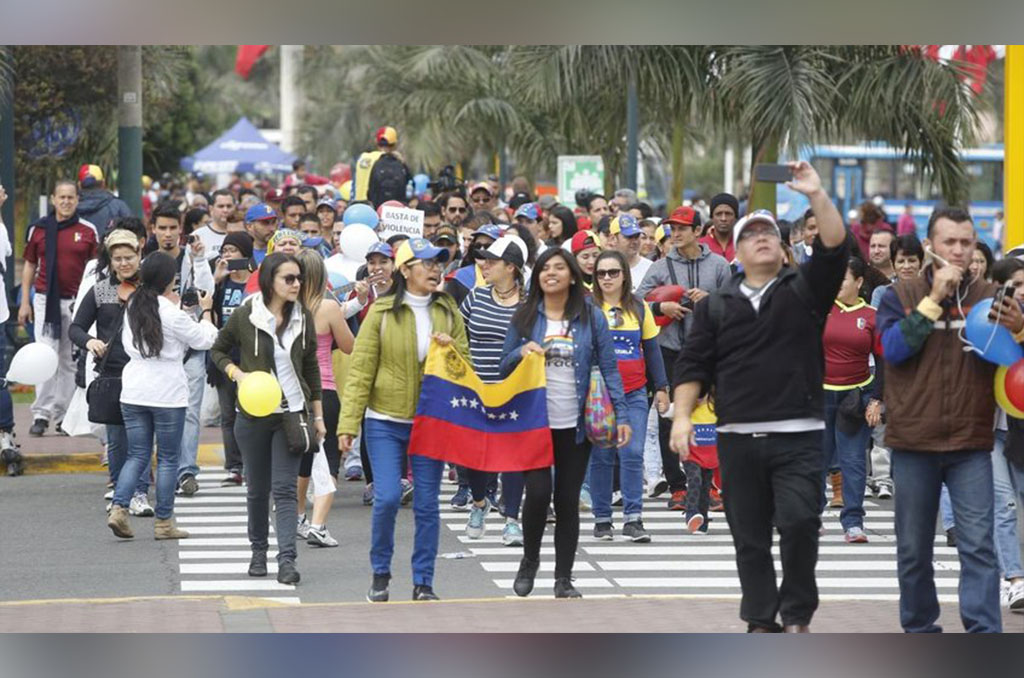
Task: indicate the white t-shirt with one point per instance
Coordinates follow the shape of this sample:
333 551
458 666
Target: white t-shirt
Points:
286 377
639 270
754 295
161 381
211 240
563 410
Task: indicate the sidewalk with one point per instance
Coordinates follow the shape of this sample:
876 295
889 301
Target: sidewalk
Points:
661 614
58 453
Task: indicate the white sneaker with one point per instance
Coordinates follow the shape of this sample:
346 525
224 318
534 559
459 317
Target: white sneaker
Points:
109 494
1015 596
139 506
884 491
320 537
303 527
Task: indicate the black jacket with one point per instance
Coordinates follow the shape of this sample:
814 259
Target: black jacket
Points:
100 305
769 365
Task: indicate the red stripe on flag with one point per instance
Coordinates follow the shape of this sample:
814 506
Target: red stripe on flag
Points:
247 56
491 452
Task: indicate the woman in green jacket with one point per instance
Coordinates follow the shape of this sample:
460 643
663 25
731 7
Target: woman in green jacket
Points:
384 383
272 332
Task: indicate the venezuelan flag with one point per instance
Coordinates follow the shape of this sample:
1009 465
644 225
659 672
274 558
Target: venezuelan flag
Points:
487 427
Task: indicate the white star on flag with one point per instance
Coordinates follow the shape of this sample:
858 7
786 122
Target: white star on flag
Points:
464 402
502 415
490 415
473 403
455 402
513 415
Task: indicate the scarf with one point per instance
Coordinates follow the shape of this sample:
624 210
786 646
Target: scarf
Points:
52 321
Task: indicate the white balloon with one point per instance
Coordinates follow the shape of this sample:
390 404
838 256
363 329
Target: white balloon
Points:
355 240
33 364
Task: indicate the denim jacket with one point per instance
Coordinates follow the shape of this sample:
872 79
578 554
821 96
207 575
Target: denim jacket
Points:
585 335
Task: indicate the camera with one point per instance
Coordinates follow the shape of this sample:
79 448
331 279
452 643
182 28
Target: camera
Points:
190 297
445 181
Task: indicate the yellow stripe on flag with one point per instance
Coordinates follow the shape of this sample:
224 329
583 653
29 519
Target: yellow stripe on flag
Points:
446 363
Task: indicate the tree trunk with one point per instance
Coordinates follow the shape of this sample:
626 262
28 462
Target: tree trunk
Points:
678 183
762 194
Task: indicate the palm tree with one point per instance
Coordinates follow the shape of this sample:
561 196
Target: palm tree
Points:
777 96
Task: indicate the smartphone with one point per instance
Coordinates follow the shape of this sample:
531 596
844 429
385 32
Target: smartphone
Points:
1002 292
239 264
192 237
775 174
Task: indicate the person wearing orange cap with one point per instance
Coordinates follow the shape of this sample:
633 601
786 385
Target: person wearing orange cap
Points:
389 175
97 205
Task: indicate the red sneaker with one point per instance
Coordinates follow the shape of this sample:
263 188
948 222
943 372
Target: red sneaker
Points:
716 505
677 502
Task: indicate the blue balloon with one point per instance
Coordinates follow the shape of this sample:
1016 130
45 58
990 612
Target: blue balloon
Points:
982 332
419 184
336 280
360 214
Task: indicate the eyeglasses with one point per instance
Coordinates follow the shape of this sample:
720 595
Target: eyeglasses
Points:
291 279
459 210
610 273
426 263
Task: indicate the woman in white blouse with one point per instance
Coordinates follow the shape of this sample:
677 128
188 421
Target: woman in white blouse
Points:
154 388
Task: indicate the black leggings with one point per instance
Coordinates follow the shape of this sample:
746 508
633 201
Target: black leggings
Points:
332 409
570 468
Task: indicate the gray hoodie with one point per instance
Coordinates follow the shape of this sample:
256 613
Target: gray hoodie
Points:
708 272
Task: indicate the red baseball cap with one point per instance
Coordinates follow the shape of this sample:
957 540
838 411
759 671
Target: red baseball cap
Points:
387 135
683 216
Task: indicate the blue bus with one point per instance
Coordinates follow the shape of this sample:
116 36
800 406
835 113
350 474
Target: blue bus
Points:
853 174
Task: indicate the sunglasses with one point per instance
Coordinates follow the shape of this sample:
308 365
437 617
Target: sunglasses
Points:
610 273
291 279
479 201
460 210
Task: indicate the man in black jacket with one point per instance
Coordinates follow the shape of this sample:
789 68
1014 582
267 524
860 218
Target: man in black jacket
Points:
756 345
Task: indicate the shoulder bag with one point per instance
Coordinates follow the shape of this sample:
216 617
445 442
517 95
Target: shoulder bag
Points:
104 392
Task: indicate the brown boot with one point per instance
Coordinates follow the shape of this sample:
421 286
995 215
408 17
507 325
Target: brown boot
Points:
836 479
164 528
117 521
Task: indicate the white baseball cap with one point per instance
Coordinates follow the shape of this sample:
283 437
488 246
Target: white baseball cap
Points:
756 216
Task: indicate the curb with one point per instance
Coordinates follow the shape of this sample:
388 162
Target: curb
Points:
210 454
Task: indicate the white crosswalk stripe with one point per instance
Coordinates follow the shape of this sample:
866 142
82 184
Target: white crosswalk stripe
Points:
215 558
677 562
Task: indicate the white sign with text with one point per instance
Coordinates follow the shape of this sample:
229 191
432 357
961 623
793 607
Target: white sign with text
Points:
400 221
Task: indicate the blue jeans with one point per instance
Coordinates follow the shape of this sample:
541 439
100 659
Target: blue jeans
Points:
195 369
851 454
1006 535
6 406
946 509
117 453
386 443
631 466
918 477
143 424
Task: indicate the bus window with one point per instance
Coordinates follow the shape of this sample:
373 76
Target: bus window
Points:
879 178
985 181
906 181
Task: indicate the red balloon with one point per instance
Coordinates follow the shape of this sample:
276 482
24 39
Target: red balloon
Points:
389 203
340 173
1015 384
666 293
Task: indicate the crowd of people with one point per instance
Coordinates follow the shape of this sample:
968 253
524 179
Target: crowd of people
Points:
761 368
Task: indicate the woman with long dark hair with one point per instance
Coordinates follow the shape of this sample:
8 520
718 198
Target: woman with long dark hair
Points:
154 388
634 335
561 225
558 321
103 306
384 384
272 332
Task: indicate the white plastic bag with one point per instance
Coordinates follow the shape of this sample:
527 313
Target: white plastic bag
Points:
321 480
76 418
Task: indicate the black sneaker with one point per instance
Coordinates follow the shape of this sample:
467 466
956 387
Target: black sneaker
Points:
603 531
378 592
634 531
565 589
523 583
286 573
188 485
258 564
38 428
423 592
951 537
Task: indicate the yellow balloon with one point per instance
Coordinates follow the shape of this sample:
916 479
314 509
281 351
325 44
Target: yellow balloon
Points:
1001 398
259 394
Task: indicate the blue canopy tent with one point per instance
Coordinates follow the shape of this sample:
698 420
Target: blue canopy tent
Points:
241 149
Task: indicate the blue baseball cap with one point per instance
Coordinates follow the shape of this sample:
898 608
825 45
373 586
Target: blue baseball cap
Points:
419 248
381 248
492 231
260 212
626 224
528 210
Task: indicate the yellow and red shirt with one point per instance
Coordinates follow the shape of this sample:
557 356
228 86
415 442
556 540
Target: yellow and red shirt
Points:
628 338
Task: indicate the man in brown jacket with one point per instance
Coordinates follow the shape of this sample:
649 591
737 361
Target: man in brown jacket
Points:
940 407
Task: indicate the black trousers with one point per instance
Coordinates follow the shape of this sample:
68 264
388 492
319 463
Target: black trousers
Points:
669 459
227 394
570 467
774 480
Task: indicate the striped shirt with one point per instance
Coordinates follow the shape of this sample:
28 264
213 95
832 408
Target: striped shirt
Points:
487 323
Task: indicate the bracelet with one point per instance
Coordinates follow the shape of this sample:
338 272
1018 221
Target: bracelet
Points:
318 418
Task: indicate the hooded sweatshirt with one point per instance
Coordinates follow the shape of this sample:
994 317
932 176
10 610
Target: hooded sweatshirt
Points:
102 208
708 272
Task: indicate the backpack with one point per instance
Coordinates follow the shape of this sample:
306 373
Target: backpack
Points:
388 180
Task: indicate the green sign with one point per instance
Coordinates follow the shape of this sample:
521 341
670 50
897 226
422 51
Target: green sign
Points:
577 172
